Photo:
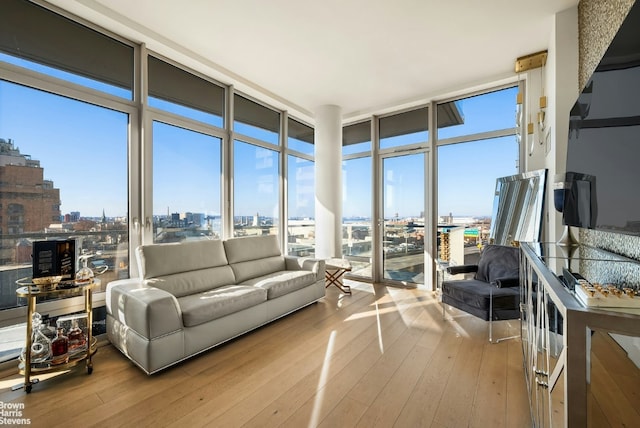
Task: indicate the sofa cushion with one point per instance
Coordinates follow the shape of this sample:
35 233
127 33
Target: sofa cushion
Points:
280 283
197 281
257 268
254 256
209 305
251 248
165 259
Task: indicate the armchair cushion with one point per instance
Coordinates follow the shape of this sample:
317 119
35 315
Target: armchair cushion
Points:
473 296
498 261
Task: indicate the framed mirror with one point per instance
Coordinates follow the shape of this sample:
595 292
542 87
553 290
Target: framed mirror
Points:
518 207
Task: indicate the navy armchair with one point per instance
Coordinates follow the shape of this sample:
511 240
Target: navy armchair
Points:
494 291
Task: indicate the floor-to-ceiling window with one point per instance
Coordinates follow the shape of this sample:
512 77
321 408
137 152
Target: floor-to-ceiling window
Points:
357 232
476 145
186 183
301 227
256 169
66 119
187 114
403 150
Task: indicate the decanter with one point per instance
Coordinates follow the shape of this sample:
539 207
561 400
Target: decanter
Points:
40 344
84 274
77 339
60 348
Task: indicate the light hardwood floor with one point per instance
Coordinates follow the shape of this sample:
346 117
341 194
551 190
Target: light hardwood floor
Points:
380 357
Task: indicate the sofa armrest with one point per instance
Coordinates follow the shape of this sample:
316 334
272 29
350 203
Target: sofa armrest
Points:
149 311
455 270
316 266
507 282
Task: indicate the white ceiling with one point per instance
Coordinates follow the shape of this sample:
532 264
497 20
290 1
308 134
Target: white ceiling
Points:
366 56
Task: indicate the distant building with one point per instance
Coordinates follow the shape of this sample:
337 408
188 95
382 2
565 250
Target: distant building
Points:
28 202
72 217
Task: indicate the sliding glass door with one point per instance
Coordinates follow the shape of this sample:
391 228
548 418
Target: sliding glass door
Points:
403 217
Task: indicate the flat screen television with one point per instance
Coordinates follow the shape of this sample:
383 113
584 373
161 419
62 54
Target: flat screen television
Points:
602 184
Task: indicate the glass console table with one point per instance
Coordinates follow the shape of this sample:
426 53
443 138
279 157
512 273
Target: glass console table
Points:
580 367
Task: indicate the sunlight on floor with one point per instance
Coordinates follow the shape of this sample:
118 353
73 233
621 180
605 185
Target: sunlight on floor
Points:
322 381
380 343
18 380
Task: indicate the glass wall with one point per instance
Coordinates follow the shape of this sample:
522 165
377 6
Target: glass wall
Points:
301 225
357 231
474 150
404 139
403 189
301 207
256 194
186 185
63 168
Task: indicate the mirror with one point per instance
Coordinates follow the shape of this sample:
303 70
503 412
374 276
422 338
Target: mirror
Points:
518 207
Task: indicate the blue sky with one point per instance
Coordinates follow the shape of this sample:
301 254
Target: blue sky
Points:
83 150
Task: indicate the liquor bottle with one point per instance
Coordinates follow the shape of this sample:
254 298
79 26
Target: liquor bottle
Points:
60 348
77 339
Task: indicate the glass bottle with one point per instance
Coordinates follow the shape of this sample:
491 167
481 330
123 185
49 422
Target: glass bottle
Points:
60 348
40 344
77 339
84 274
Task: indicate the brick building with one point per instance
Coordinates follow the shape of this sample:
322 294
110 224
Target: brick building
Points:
28 202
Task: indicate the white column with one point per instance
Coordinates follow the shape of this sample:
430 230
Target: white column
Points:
328 181
563 90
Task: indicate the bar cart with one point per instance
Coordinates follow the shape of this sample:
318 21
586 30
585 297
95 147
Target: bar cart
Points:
31 292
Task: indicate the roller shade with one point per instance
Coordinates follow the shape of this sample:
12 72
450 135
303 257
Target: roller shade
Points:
170 83
418 120
300 131
36 34
356 133
254 114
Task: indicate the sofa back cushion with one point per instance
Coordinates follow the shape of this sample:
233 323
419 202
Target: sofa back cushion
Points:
254 256
185 268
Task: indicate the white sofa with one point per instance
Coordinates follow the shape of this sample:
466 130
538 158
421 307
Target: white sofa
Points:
193 296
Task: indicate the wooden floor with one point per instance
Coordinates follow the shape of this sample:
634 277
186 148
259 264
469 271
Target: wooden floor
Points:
380 357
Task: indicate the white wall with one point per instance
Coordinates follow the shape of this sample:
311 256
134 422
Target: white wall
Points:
562 89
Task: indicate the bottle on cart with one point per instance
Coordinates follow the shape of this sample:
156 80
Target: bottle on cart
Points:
40 344
60 348
77 339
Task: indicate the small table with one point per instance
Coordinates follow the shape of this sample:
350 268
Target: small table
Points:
334 270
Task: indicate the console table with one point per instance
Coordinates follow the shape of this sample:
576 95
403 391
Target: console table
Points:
576 369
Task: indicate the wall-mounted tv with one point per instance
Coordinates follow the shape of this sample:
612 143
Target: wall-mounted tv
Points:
603 157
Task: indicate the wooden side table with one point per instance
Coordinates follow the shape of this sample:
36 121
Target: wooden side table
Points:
334 270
